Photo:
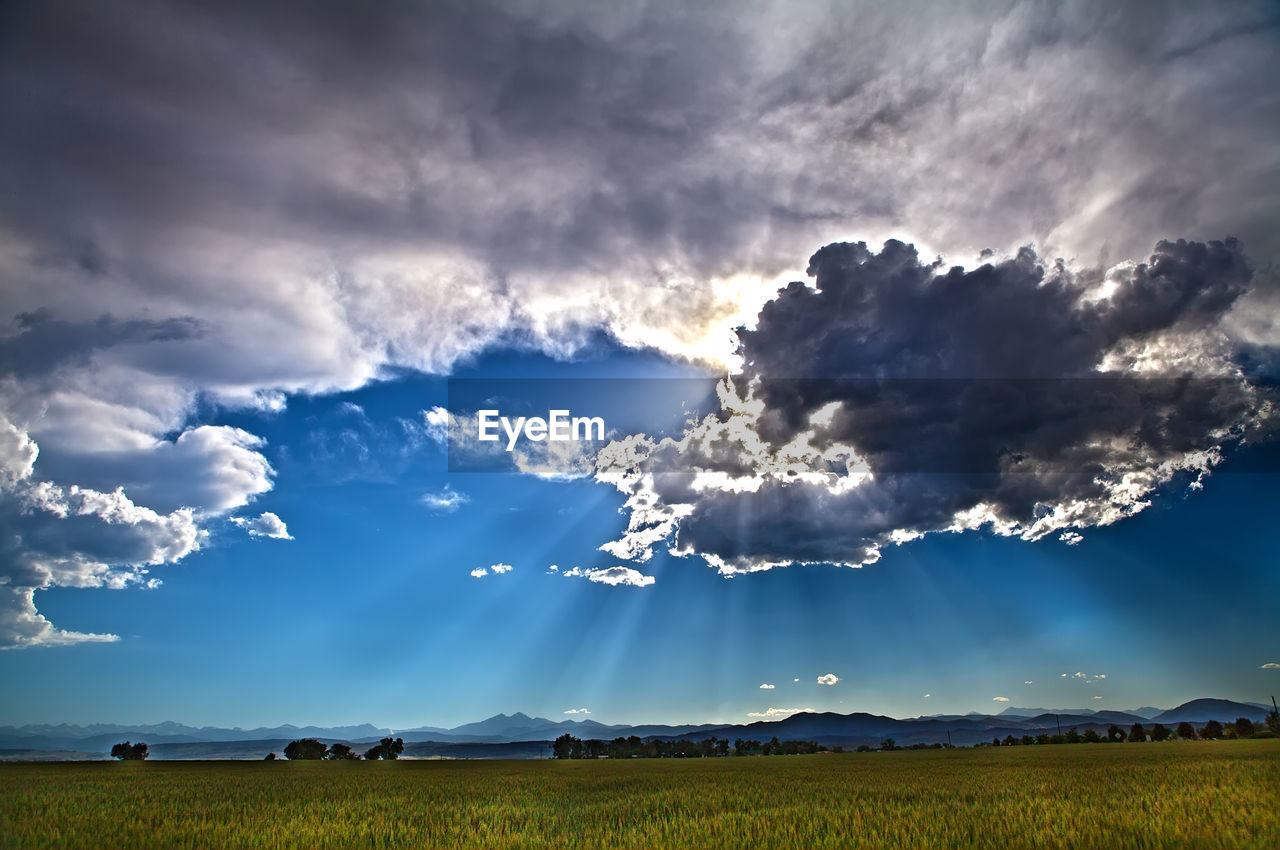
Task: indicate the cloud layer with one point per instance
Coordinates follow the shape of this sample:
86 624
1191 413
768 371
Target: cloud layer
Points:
227 204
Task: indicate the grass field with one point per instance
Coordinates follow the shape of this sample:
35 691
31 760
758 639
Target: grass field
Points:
1210 794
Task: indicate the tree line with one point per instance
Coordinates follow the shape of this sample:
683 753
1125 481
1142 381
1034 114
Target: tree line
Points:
1212 730
571 747
309 749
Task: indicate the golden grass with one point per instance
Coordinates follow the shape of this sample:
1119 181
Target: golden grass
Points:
1193 794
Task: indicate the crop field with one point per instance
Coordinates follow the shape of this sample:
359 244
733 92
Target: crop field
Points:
1203 794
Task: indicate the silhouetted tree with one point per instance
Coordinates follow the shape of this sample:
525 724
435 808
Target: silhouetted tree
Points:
1115 733
1186 731
565 745
889 744
388 748
130 752
1160 732
341 752
1244 727
305 749
1273 722
1091 736
269 757
1137 733
1211 730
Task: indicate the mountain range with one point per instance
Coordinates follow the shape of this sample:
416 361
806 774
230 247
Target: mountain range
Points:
519 735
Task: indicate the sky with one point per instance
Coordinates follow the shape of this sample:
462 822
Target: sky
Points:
934 348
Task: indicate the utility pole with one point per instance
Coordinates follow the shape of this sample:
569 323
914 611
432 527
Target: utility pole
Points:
1059 719
949 731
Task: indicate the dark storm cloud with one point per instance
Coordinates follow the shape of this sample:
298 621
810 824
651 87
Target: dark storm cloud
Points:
43 344
1034 400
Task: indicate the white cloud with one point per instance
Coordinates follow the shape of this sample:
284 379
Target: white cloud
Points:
1270 665
926 696
53 535
497 570
552 569
766 687
1084 677
436 421
797 679
446 501
828 679
1028 682
265 524
1071 538
21 625
578 711
999 699
1097 697
613 576
774 713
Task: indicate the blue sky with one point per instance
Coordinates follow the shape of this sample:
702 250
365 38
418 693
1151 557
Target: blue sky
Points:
937 349
370 613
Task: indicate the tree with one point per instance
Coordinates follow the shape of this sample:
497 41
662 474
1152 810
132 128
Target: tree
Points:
1115 733
1137 733
305 749
888 744
388 748
1186 731
1244 727
341 752
1091 736
1273 722
1211 730
565 746
1160 732
130 752
269 757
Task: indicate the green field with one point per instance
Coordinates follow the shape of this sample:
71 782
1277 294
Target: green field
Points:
1203 794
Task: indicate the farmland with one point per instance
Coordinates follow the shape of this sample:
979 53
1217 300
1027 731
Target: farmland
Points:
1204 793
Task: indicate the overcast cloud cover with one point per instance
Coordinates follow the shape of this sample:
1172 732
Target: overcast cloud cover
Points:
231 203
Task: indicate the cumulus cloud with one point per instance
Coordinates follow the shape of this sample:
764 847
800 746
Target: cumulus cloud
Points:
1028 682
828 679
777 713
896 398
766 687
999 699
926 696
73 536
578 711
1270 665
265 524
446 501
21 625
499 569
613 576
479 572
